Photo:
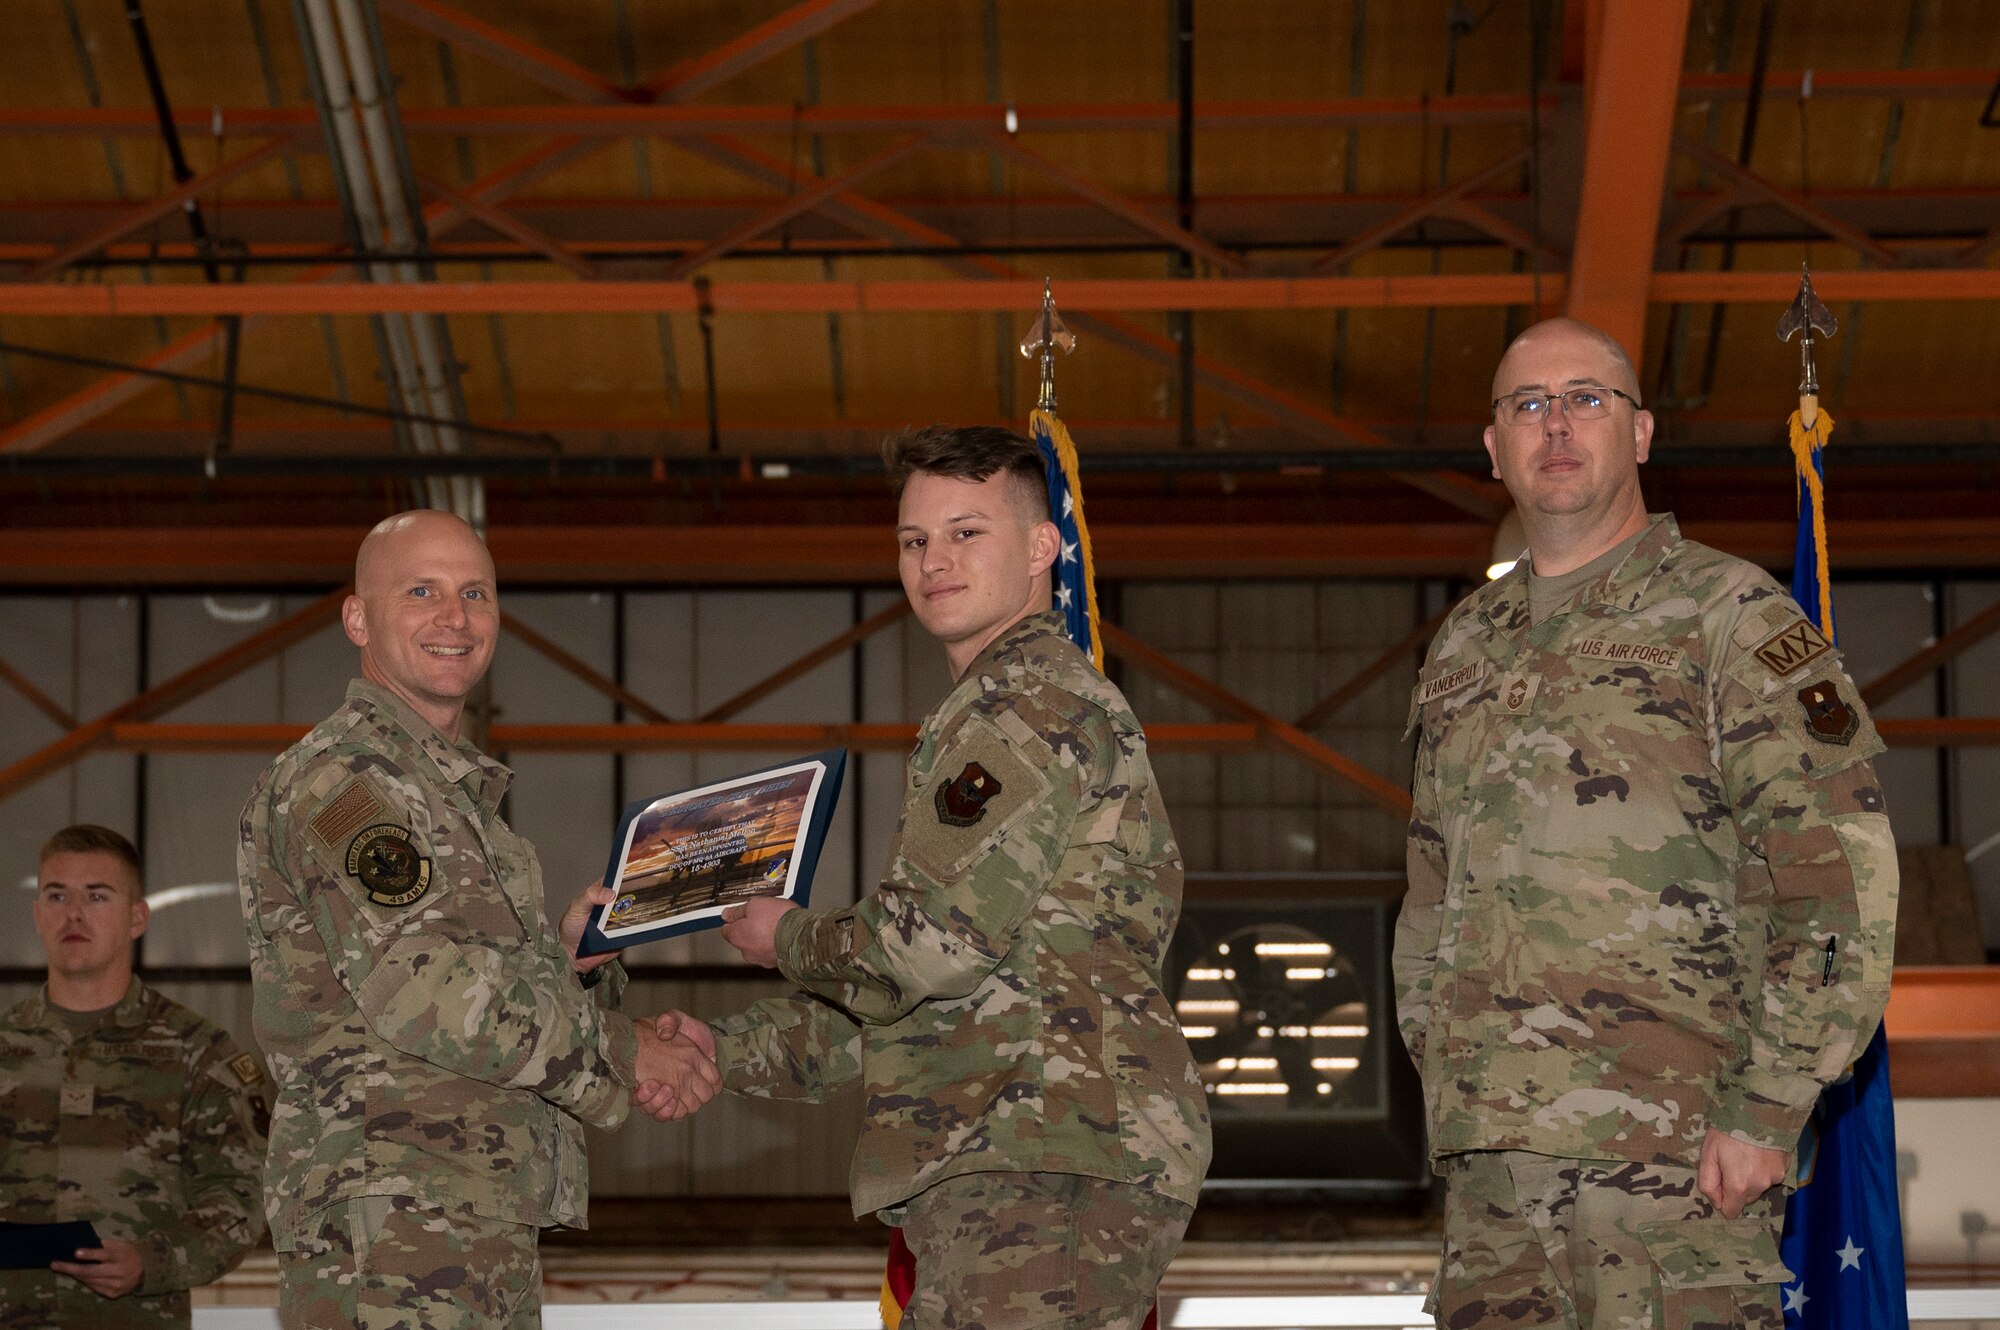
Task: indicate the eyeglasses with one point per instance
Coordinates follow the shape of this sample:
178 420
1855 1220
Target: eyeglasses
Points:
1578 404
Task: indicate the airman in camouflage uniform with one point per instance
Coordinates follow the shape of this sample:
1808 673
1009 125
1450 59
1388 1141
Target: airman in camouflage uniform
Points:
1034 1119
435 1051
1652 890
141 1118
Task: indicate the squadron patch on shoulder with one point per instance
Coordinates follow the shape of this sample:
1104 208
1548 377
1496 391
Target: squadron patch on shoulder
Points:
962 801
353 808
1827 715
1792 648
245 1069
384 859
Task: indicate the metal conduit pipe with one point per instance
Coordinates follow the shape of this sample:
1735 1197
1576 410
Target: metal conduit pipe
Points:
350 155
427 331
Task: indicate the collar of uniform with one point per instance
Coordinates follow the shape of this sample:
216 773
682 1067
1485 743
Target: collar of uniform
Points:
1503 602
460 763
129 1013
1048 623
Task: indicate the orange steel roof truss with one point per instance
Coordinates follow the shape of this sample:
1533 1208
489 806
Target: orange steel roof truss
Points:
1681 174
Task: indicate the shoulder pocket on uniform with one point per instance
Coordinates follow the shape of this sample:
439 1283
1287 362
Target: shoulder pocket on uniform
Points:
981 786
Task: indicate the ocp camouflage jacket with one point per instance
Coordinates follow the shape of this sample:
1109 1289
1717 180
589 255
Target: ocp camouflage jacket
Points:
1652 884
999 993
428 1035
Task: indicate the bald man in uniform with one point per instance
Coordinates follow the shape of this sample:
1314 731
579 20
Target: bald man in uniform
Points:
1652 889
436 1051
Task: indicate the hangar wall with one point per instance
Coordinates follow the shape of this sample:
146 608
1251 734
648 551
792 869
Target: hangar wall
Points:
1283 645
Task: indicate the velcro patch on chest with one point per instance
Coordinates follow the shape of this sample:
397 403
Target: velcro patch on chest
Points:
1792 648
245 1069
1630 653
385 860
1517 691
352 808
1453 681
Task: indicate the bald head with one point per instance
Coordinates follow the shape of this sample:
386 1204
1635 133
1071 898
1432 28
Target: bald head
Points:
1616 367
390 541
425 612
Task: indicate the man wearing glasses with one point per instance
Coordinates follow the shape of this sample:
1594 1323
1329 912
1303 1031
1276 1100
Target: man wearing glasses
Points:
1652 888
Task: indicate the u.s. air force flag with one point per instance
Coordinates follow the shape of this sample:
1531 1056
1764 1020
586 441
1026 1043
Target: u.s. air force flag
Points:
1843 1231
1075 574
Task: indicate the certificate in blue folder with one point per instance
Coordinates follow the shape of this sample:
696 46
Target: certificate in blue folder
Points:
682 859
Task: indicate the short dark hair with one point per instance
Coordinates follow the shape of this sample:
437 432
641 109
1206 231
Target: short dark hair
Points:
89 838
969 452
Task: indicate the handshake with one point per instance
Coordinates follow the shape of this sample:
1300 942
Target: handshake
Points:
676 1068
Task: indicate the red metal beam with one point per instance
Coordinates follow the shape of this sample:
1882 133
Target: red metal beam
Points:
1944 1031
801 202
844 555
107 394
38 699
799 24
570 664
1418 291
507 224
1634 74
807 663
1118 205
1755 186
1386 795
152 210
1968 634
1941 732
1402 652
1376 236
776 119
163 697
534 62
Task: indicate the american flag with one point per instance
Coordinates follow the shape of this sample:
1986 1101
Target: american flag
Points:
1075 574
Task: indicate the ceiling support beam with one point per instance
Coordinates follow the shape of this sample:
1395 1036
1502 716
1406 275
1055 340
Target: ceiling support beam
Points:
38 699
802 202
1391 798
953 295
152 210
163 697
507 224
1634 75
1933 657
570 664
1362 679
1940 732
777 35
807 663
993 278
861 554
1430 205
1754 188
107 394
1119 206
537 63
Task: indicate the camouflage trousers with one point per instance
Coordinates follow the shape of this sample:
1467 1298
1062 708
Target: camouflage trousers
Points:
1038 1251
1535 1240
397 1263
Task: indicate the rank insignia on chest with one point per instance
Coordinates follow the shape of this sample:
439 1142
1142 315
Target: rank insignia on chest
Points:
962 800
383 859
1827 716
1517 691
245 1068
78 1101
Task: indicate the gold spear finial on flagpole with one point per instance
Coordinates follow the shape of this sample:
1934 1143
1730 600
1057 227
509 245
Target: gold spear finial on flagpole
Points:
1047 335
1807 315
